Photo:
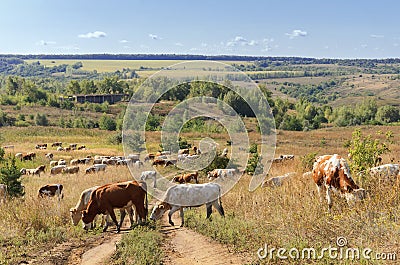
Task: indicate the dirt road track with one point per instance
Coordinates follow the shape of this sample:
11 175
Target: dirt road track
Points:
184 246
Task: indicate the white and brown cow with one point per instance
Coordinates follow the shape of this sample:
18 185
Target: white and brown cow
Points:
331 173
57 169
70 170
188 195
51 190
387 172
221 173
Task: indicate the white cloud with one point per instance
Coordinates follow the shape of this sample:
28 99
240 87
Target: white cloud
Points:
204 44
123 41
240 41
179 44
154 37
93 35
296 33
45 43
375 36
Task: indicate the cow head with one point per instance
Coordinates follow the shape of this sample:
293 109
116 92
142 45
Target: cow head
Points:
75 215
159 210
356 196
90 213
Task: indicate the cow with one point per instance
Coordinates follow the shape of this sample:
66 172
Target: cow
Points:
123 195
151 174
53 163
41 146
3 193
51 190
221 173
76 212
56 144
133 157
72 146
74 161
49 156
68 149
158 162
287 157
95 168
60 148
138 163
186 178
182 157
34 171
331 173
82 147
41 168
22 171
19 156
183 151
29 156
62 162
149 157
224 152
277 181
71 170
387 172
184 195
57 169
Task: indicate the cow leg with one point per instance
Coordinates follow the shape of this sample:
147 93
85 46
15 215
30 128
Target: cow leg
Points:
329 198
123 214
219 208
131 219
319 189
171 212
182 217
114 218
209 210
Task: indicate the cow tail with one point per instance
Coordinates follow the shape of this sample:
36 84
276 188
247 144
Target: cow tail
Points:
146 206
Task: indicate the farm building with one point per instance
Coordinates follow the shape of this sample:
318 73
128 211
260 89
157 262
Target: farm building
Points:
98 98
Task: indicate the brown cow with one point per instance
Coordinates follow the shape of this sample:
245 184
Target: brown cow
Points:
158 162
118 195
56 144
71 170
186 178
331 173
51 190
149 157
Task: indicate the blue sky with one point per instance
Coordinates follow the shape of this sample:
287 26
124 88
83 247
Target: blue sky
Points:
309 28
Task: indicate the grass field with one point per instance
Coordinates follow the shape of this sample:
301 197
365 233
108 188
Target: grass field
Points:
288 216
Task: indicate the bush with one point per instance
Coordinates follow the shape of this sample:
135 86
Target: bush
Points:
41 120
365 151
307 161
107 123
253 148
10 176
251 167
115 138
22 124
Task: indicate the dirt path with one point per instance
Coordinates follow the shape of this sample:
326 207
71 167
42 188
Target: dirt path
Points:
184 246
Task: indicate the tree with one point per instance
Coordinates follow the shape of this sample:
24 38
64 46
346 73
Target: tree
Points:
387 114
364 150
10 176
41 120
107 123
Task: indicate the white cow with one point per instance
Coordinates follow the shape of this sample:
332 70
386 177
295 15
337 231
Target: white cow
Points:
221 173
278 180
387 172
151 174
57 169
188 195
96 168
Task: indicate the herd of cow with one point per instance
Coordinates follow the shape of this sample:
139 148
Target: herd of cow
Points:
330 174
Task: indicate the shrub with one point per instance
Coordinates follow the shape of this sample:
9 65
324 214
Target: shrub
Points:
41 120
107 123
307 161
251 167
10 175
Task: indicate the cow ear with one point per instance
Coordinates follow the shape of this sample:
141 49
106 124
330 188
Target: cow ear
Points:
161 206
72 210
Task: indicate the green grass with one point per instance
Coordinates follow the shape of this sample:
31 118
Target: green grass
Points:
141 246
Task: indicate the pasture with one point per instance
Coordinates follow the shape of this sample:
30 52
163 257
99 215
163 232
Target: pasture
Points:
289 216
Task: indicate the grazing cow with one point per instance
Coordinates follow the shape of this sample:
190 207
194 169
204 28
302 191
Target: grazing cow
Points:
179 196
331 173
82 147
37 170
182 157
62 162
133 157
387 172
123 195
22 171
138 163
221 173
3 193
76 212
71 170
151 174
68 149
186 178
149 157
72 146
19 156
56 144
74 161
57 169
60 148
96 168
41 146
158 162
53 163
51 190
49 156
183 151
29 156
287 157
277 181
